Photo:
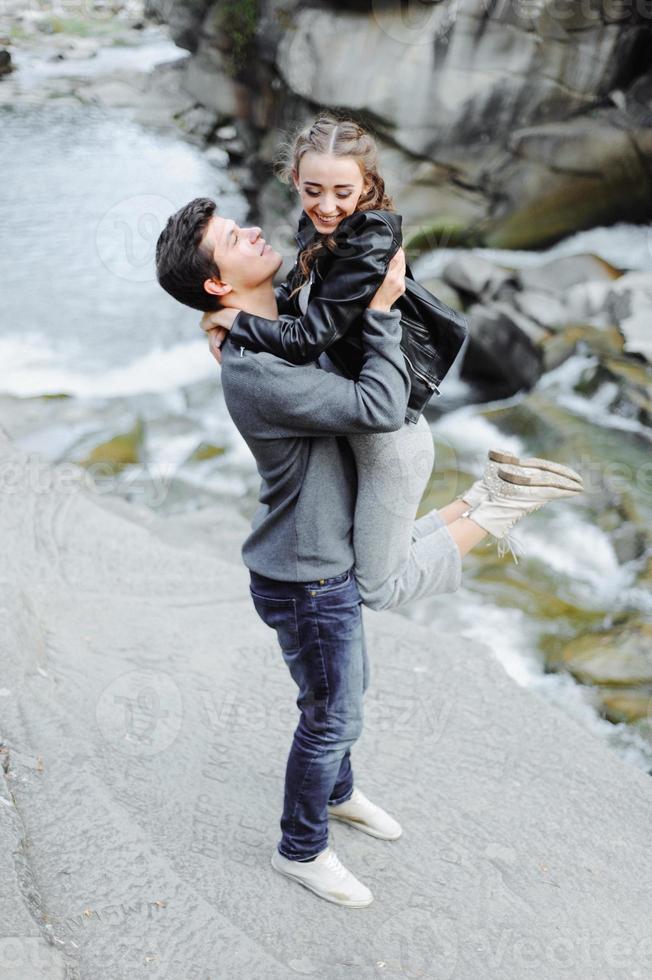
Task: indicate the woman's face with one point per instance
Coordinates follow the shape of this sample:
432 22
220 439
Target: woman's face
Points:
329 187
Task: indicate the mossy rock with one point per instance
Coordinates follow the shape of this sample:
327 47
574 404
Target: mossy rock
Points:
120 451
627 704
644 578
540 603
633 372
569 203
447 231
205 450
621 656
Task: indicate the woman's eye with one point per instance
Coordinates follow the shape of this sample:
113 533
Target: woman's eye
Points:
312 193
343 196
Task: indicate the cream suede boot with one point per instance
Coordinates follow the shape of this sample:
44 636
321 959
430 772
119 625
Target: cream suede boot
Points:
514 492
479 490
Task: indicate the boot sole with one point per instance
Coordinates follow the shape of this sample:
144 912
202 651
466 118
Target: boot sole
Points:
360 826
500 457
531 481
317 891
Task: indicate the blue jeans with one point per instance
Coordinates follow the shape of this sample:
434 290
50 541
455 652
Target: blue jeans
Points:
319 629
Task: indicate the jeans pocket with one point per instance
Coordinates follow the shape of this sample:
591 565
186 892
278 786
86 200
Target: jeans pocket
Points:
280 615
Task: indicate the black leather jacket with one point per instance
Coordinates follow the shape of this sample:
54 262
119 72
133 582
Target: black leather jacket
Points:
344 282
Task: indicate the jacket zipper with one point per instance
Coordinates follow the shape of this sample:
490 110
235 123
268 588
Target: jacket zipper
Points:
426 380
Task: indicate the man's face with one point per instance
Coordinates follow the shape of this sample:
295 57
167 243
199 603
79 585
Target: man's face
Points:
242 255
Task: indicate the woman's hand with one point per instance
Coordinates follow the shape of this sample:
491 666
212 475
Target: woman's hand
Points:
216 337
218 318
392 286
216 324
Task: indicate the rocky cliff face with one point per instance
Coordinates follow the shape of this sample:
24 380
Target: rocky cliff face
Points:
504 124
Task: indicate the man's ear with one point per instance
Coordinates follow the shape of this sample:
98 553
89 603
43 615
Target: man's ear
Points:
216 287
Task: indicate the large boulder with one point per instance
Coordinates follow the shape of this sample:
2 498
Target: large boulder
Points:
501 357
485 121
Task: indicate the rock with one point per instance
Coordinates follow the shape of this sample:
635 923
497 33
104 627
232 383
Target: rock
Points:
558 275
627 301
547 310
155 807
474 274
558 347
197 120
226 133
527 326
205 450
206 80
626 704
620 656
120 451
485 123
445 292
5 62
217 156
500 355
184 19
637 328
546 191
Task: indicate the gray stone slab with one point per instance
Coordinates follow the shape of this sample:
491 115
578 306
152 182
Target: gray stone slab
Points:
148 721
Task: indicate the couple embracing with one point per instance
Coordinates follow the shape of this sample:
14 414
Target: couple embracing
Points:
343 464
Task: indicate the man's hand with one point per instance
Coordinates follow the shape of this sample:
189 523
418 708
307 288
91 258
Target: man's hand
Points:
216 337
218 318
392 286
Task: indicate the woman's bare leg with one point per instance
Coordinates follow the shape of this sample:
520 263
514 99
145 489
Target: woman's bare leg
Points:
465 532
450 512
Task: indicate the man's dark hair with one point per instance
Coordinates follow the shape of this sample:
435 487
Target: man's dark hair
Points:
182 264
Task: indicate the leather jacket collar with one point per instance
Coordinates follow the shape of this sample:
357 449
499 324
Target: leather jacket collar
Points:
306 231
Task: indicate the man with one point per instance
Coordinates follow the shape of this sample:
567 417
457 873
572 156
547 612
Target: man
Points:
299 552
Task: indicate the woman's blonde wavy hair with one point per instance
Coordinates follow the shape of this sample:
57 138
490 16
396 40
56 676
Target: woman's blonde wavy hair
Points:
342 138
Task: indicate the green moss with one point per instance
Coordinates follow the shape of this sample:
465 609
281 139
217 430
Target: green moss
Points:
239 19
444 232
571 205
71 25
123 450
18 33
206 450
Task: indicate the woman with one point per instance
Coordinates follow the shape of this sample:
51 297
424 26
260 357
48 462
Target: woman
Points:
333 166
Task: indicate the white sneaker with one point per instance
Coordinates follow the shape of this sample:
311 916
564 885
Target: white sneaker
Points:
518 491
364 815
326 877
479 491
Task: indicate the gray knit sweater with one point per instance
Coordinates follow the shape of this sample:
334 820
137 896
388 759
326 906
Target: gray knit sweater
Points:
291 416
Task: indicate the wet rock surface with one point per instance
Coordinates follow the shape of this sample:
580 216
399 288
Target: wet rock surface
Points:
147 716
